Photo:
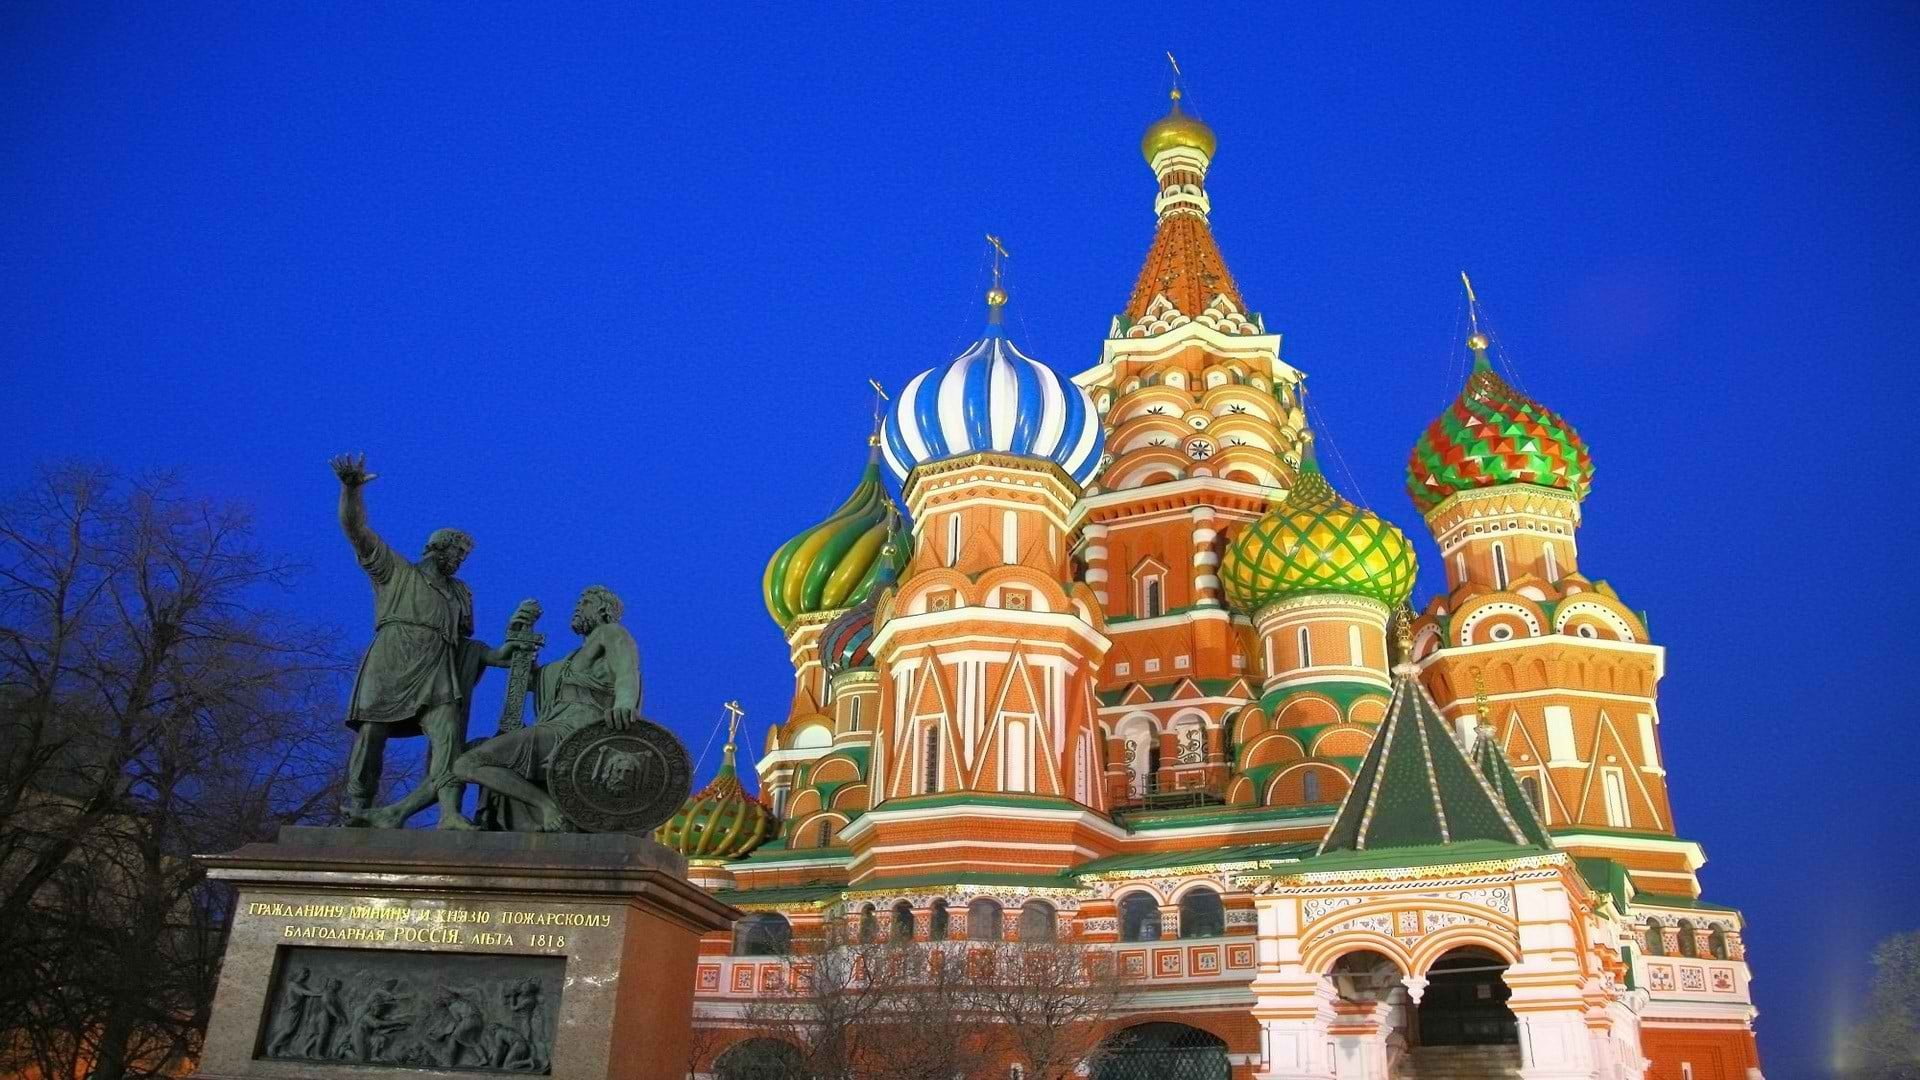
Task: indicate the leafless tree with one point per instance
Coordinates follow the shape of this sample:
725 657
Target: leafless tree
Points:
934 1010
152 705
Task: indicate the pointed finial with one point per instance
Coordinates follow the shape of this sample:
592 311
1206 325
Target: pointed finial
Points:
734 713
996 296
879 411
1477 341
1480 697
1175 93
1403 634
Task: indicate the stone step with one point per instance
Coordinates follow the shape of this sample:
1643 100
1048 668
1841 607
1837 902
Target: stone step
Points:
1459 1063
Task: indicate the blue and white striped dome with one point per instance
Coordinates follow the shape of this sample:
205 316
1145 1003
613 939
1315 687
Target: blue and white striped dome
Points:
993 397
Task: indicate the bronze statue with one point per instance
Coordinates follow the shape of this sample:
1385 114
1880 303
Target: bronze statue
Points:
418 674
595 683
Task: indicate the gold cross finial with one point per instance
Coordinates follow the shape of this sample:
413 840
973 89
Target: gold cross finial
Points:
1403 632
1479 340
1480 696
1175 65
879 410
734 713
997 295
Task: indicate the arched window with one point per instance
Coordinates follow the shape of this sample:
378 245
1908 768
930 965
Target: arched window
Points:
1499 566
853 714
930 770
1656 938
824 836
984 921
1689 946
1717 945
1310 787
1306 648
1201 914
1153 766
1139 917
953 538
938 921
869 925
902 931
1036 921
1530 787
764 934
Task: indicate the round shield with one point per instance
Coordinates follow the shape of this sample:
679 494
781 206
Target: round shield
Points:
620 781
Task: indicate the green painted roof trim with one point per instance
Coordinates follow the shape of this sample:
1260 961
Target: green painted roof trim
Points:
923 802
1213 815
1168 860
1662 900
1607 877
1162 690
1465 851
921 881
790 894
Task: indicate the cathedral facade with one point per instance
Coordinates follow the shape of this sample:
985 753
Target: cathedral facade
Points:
1139 677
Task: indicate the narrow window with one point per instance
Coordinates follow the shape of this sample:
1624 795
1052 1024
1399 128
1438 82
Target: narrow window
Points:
1530 787
902 923
853 714
1150 603
953 539
1616 799
1310 787
1717 944
930 770
1459 567
1354 654
869 925
1553 565
1499 566
1656 940
1153 767
1010 538
1689 945
826 833
1016 755
938 922
1306 648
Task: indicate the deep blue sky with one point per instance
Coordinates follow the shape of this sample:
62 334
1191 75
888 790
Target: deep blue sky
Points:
606 290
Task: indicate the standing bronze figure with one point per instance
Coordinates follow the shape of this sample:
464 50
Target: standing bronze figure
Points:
418 674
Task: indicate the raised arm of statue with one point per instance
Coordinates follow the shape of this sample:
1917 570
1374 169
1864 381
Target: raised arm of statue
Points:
353 475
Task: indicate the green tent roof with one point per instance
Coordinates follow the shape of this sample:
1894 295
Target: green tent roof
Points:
1493 764
1416 787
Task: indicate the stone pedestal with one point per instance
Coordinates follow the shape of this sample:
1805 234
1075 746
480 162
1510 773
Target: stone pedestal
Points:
365 953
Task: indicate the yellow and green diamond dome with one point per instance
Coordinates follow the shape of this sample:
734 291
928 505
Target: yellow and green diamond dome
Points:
841 561
1317 542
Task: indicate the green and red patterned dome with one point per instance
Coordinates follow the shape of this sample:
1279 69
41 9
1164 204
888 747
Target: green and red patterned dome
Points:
1493 435
1317 542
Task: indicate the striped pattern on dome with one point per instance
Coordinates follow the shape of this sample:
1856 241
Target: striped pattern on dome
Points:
1492 435
721 822
846 643
842 560
993 397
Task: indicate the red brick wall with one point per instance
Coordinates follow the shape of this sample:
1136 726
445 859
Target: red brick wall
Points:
1715 1054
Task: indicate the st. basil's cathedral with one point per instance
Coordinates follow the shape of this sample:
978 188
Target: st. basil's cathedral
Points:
1139 676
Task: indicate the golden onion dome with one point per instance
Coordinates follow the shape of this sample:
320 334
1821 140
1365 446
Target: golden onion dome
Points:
721 822
1177 129
1317 542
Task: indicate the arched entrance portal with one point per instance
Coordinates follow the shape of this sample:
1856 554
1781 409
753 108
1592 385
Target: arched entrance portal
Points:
1161 1051
759 1059
1465 1003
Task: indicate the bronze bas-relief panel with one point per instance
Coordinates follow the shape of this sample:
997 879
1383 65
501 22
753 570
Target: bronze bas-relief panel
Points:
467 1011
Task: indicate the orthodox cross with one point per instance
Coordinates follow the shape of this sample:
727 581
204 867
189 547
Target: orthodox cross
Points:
1473 304
734 713
999 253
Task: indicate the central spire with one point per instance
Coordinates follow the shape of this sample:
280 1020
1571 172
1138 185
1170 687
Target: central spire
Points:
1184 277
